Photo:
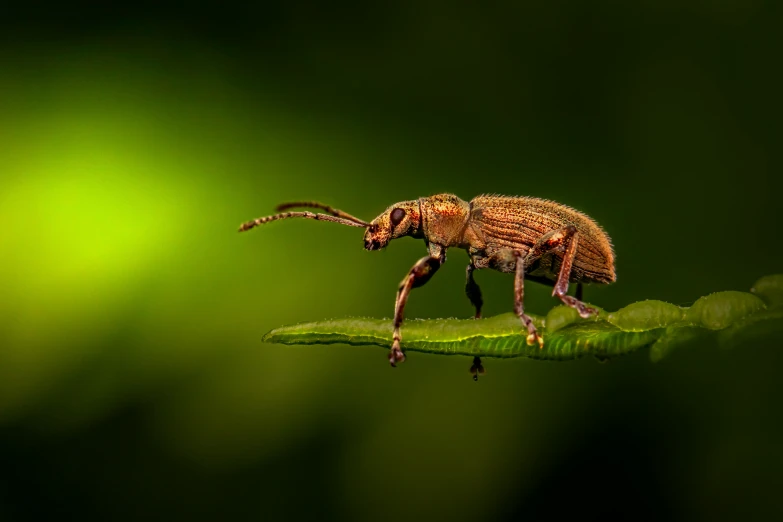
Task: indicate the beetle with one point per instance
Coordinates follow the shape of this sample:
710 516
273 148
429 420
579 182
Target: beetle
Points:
532 238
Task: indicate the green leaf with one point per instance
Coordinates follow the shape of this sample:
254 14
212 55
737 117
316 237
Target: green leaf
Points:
662 326
770 290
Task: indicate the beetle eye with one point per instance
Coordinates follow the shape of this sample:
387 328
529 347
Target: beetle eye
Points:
397 215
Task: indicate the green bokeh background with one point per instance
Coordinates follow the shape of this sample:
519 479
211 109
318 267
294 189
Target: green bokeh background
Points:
134 141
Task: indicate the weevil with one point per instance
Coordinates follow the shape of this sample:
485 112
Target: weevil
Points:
532 238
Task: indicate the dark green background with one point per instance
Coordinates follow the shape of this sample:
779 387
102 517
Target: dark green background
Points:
135 138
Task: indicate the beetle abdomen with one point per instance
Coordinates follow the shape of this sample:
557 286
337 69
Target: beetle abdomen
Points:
503 222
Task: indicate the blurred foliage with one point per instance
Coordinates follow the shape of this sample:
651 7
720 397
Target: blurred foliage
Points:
134 139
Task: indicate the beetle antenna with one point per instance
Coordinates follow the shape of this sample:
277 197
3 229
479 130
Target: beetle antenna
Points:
307 215
326 208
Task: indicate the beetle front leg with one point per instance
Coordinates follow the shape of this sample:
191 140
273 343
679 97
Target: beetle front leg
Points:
421 272
519 296
568 239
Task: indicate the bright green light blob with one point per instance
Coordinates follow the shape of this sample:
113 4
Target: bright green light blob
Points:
87 215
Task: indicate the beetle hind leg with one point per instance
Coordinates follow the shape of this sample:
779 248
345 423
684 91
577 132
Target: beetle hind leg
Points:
565 240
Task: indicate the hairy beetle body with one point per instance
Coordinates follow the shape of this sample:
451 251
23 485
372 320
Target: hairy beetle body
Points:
499 223
533 238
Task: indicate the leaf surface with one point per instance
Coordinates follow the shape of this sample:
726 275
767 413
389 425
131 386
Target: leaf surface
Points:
662 326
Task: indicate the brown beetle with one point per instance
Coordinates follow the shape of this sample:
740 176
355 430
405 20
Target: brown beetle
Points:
533 238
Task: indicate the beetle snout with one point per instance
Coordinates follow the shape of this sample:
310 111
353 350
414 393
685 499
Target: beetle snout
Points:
373 240
376 237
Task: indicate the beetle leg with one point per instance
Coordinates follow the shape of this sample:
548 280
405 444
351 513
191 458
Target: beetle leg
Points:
519 294
472 290
474 294
477 368
566 238
421 272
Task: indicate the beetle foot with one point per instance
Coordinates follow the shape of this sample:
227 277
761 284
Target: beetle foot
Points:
534 337
477 368
395 354
583 310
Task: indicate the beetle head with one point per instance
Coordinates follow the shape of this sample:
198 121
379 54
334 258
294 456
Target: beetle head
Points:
400 219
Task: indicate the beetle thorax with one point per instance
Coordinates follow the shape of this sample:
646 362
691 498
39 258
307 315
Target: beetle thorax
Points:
443 218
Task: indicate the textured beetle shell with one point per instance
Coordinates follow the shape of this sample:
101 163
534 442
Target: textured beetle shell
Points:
498 223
